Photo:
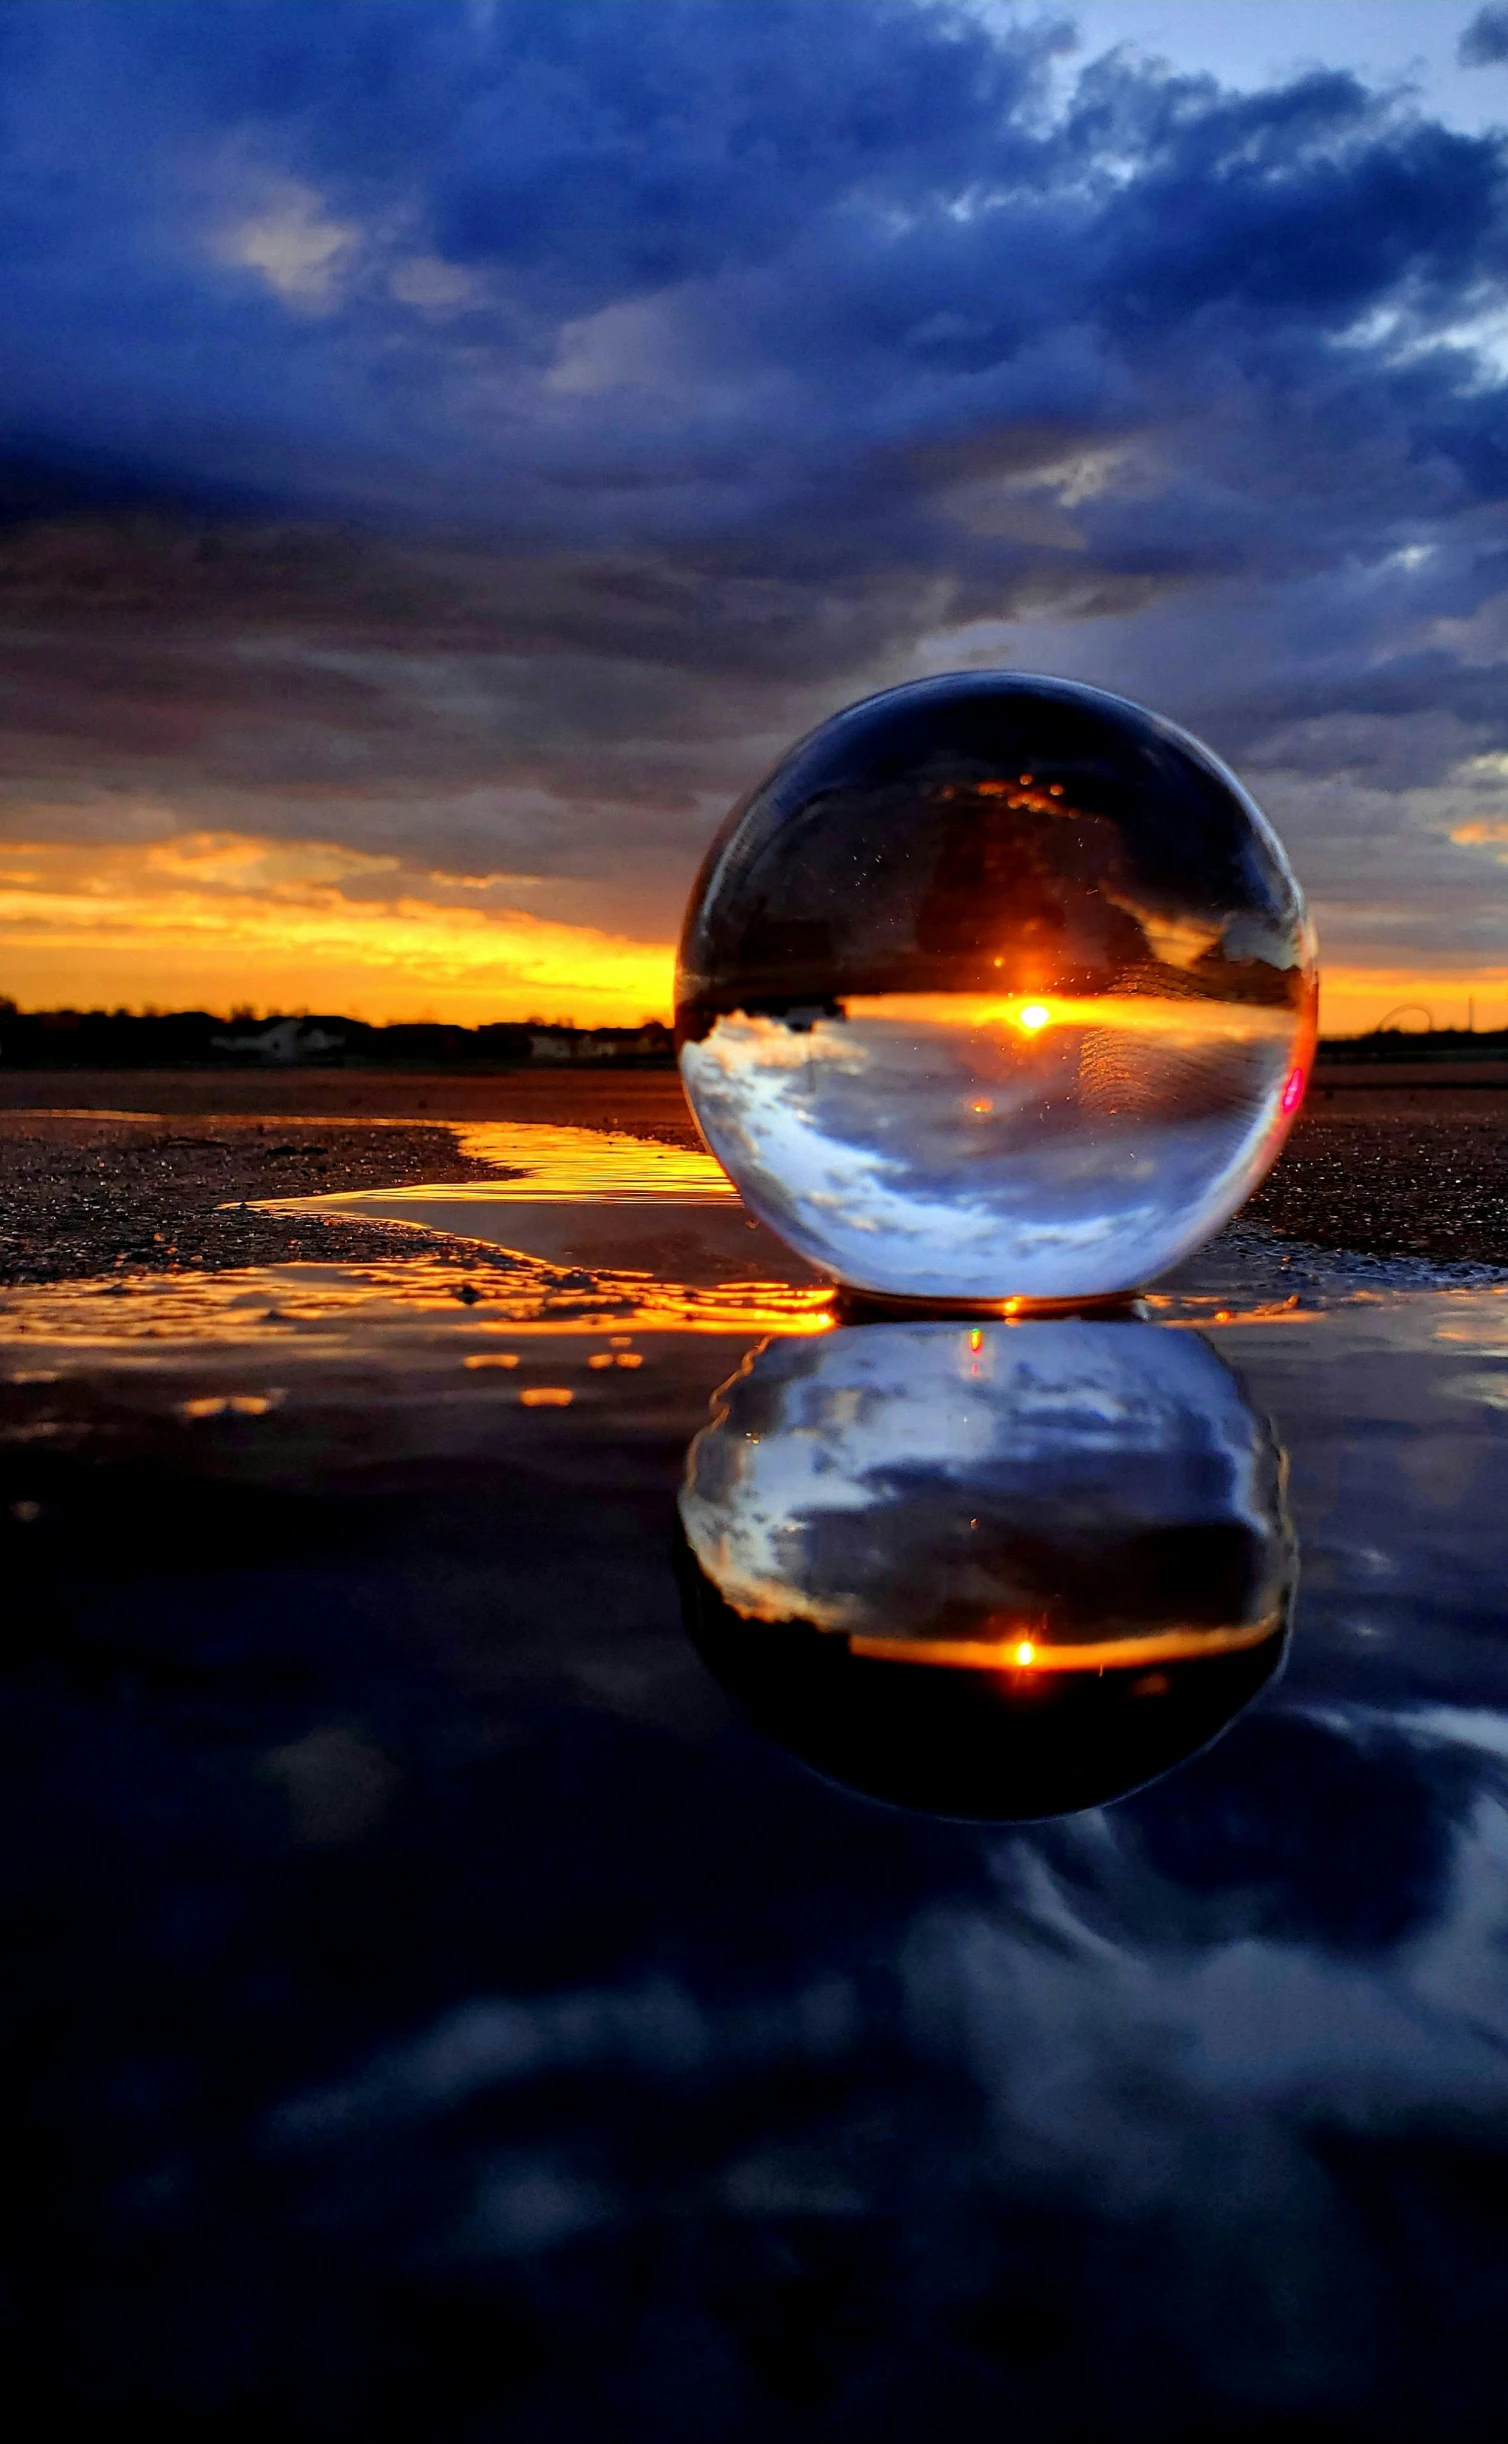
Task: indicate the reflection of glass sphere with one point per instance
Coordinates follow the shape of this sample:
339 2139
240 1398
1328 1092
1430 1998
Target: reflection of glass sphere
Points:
1004 1572
996 987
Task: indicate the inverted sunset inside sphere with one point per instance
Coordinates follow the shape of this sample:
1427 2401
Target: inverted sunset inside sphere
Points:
997 987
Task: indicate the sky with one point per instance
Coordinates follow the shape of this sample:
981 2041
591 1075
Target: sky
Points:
449 450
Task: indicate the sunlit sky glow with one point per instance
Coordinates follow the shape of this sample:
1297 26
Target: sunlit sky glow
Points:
450 450
167 922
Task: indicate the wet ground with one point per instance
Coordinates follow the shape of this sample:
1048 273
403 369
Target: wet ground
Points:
83 1193
434 2010
1421 1172
151 1172
164 1172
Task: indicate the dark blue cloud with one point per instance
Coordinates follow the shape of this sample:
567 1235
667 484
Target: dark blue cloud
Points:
1485 40
573 396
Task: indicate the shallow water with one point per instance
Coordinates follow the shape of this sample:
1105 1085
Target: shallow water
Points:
420 1970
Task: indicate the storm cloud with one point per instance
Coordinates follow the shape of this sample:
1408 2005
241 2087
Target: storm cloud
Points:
485 435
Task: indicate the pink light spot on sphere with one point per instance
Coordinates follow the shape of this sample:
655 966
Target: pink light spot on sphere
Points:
1293 1092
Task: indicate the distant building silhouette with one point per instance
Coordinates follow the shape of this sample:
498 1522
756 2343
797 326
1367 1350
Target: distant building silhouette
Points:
196 1039
287 1040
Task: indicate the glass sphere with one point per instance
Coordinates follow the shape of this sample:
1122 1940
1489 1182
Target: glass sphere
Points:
1006 1572
997 987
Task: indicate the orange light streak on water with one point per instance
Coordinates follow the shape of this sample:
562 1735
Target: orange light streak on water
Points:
321 1310
563 1165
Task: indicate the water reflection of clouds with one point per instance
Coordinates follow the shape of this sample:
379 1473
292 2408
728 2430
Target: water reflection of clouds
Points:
1085 2078
1124 1995
1213 2077
1191 2038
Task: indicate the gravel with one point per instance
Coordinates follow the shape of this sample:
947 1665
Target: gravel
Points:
1390 1181
99 1194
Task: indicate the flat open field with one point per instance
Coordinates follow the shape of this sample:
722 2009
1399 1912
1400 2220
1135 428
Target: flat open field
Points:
147 1171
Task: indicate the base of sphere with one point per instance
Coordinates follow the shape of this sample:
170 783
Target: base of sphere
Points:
853 1306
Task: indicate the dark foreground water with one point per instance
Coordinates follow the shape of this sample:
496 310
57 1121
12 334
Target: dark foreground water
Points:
432 2012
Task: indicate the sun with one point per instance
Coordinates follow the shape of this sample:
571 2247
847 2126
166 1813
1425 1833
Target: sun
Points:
1034 1016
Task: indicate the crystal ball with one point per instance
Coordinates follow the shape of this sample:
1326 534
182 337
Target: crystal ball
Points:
996 987
1004 1572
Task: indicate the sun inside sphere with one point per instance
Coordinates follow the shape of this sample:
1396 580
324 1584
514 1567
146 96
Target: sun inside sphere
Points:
997 987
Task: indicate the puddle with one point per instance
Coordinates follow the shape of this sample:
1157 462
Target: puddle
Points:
387 1863
622 1203
322 1308
585 1231
571 1164
583 1197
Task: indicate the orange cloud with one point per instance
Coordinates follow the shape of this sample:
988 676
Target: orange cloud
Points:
1480 835
211 919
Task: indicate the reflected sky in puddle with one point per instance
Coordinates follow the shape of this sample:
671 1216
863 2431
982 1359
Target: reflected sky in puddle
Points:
319 1308
543 1164
592 1163
583 1197
401 1867
384 1306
